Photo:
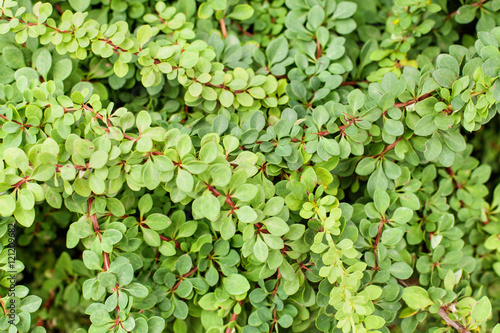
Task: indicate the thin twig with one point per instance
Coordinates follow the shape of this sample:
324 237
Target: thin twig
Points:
182 277
353 83
318 49
97 230
3 307
475 4
377 240
223 29
234 316
442 312
452 323
413 101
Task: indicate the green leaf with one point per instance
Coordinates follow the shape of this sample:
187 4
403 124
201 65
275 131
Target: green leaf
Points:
241 12
7 205
246 214
444 76
465 14
62 69
401 270
277 50
137 290
356 99
245 192
121 69
167 249
184 181
447 61
276 226
143 121
481 310
425 126
183 264
151 237
205 10
107 279
285 320
188 59
374 322
184 145
315 17
158 221
416 298
274 206
98 159
402 215
144 34
392 236
79 5
226 98
43 62
345 9
345 27
210 206
23 216
91 260
381 200
16 158
13 57
260 250
30 304
236 284
393 127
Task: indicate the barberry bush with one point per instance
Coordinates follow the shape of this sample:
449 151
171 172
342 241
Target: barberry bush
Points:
230 166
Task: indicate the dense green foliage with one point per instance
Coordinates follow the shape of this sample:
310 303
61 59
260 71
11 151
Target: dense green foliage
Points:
250 166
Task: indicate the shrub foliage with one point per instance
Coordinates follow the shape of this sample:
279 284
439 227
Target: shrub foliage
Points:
250 166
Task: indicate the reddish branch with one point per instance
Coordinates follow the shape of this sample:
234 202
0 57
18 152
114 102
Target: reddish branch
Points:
388 148
163 238
223 29
452 175
21 182
97 230
377 241
399 105
475 4
234 316
275 320
260 230
442 312
182 277
318 49
353 83
47 304
3 307
412 101
275 290
243 31
218 194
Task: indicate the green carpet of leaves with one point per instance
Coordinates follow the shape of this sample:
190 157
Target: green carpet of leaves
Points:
250 166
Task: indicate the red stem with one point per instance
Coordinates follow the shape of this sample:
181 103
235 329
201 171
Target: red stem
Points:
234 316
388 148
240 28
3 307
163 238
223 27
318 49
191 272
413 101
377 240
353 83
